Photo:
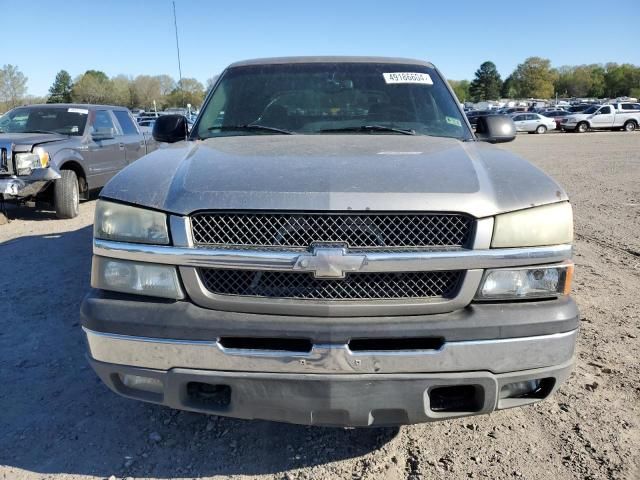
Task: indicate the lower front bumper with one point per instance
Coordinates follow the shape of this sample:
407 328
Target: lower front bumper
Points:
27 186
337 400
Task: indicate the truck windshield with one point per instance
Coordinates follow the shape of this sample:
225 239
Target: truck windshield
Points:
329 98
64 120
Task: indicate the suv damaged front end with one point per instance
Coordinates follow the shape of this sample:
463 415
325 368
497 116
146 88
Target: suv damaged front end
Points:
350 279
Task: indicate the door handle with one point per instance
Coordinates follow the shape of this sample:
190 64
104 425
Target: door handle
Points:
121 145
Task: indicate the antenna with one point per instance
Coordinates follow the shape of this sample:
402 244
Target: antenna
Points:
175 25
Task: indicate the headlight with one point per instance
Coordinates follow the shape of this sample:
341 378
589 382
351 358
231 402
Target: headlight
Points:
522 283
123 223
26 162
138 278
546 225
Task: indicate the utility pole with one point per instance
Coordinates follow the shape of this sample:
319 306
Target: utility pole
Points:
175 25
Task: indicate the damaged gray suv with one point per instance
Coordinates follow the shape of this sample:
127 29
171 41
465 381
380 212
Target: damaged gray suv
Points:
332 244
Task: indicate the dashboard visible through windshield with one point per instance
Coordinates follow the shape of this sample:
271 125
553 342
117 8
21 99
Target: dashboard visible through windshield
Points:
321 98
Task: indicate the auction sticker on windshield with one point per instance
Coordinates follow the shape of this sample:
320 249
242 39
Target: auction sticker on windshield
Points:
82 111
408 77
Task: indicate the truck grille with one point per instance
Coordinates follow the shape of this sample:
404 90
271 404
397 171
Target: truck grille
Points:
5 160
301 230
355 286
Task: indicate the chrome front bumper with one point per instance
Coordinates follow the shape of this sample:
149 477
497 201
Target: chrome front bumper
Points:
29 185
496 356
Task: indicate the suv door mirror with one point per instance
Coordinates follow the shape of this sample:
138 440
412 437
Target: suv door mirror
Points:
170 128
495 129
103 134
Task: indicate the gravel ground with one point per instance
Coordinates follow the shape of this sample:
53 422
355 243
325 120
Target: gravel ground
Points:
58 421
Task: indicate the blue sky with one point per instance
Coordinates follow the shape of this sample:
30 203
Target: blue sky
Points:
137 37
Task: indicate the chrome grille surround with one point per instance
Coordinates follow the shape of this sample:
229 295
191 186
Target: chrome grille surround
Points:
472 260
354 230
356 286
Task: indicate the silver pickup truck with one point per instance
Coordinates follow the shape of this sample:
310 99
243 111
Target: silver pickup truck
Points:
332 245
615 116
60 152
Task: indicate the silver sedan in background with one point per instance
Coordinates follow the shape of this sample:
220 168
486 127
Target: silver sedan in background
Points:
533 122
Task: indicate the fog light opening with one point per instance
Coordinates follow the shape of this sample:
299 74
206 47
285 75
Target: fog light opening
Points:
456 398
537 388
137 382
209 396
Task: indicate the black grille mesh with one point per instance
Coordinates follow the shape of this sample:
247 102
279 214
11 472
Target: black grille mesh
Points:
296 230
356 286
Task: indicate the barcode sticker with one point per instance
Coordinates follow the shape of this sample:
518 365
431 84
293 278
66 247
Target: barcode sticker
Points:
82 111
408 77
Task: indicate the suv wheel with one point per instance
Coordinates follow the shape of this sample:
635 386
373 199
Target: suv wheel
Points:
630 126
67 195
541 129
582 127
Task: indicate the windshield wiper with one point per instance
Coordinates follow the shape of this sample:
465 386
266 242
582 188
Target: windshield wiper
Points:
370 128
252 127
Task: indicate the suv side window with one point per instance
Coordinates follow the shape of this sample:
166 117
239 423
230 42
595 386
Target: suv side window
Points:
126 123
103 123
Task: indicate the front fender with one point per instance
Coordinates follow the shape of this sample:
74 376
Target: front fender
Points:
65 155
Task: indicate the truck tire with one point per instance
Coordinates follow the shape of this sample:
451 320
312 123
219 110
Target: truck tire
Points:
582 127
66 195
541 129
630 126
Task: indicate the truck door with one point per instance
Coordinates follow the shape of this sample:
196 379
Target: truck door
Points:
131 138
603 118
104 156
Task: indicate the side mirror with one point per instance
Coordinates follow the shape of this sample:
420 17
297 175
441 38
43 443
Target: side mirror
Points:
170 128
103 134
496 129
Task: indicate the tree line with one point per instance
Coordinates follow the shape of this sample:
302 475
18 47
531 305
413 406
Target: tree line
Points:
94 86
536 78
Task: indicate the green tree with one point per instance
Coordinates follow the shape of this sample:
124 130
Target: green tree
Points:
461 89
60 91
508 88
13 86
121 91
188 91
487 83
92 87
534 78
619 80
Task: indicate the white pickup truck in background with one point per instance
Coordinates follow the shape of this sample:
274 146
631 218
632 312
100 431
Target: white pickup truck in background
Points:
624 116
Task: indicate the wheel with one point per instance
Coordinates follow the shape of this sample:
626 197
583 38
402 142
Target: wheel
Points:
630 126
541 129
582 127
66 195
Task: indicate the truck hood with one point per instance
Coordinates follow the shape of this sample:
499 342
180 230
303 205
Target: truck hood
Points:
25 141
578 116
333 172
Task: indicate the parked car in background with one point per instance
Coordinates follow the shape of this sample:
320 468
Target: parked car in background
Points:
579 108
625 116
475 114
533 123
60 152
557 116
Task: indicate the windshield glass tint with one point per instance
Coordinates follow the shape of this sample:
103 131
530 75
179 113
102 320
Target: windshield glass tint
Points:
591 109
68 121
315 98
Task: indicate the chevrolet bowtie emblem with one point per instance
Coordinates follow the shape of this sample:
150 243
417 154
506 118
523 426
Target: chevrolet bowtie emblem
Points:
327 262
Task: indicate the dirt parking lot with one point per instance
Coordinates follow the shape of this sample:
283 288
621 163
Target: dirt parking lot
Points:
58 421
